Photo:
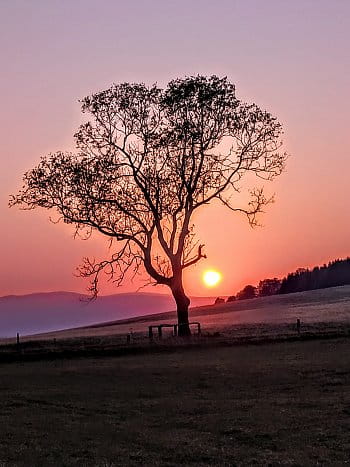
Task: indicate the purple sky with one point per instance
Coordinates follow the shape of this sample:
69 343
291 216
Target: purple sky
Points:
290 57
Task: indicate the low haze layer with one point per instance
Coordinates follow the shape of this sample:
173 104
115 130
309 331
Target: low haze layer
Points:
291 58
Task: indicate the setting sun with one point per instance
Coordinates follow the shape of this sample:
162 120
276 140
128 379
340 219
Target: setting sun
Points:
211 278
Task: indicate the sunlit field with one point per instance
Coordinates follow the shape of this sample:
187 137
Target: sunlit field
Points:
276 404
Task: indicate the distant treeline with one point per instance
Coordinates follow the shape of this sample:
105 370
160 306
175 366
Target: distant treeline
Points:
329 275
333 274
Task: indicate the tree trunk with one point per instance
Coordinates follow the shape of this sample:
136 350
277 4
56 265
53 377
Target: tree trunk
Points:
182 304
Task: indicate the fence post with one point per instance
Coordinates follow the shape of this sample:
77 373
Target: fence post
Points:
17 341
150 332
160 332
298 326
199 329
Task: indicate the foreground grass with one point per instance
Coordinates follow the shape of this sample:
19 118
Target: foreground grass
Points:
278 404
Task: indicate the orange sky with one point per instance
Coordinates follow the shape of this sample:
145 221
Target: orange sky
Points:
291 58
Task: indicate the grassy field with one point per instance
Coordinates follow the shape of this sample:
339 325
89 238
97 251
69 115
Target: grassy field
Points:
330 305
323 313
273 404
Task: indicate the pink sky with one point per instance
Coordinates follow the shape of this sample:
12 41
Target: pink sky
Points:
291 58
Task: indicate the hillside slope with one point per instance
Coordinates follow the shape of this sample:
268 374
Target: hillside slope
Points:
326 305
44 312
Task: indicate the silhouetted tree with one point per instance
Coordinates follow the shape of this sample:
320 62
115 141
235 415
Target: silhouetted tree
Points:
146 162
249 291
335 273
269 287
231 298
219 300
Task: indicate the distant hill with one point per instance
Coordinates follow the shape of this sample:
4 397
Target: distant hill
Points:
331 305
44 312
116 314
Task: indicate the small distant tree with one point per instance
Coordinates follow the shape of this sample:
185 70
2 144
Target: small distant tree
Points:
146 161
231 298
219 300
249 291
269 287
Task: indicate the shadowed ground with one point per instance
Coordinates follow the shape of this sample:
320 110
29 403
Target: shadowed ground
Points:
283 404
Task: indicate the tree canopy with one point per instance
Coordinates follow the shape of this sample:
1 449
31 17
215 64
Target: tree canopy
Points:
335 273
249 291
146 160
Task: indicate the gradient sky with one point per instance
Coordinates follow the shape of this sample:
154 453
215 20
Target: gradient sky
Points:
290 57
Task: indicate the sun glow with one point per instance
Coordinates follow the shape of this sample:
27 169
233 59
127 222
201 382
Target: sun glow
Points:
211 278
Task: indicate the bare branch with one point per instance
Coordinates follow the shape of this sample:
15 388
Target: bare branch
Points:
195 260
147 159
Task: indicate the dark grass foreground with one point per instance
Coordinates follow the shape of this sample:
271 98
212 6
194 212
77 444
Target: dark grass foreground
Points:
280 404
39 348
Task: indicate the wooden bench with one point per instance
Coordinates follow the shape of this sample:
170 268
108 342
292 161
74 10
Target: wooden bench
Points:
168 325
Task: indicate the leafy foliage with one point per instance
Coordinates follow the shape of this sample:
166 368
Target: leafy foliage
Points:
219 301
269 287
333 274
231 298
249 291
